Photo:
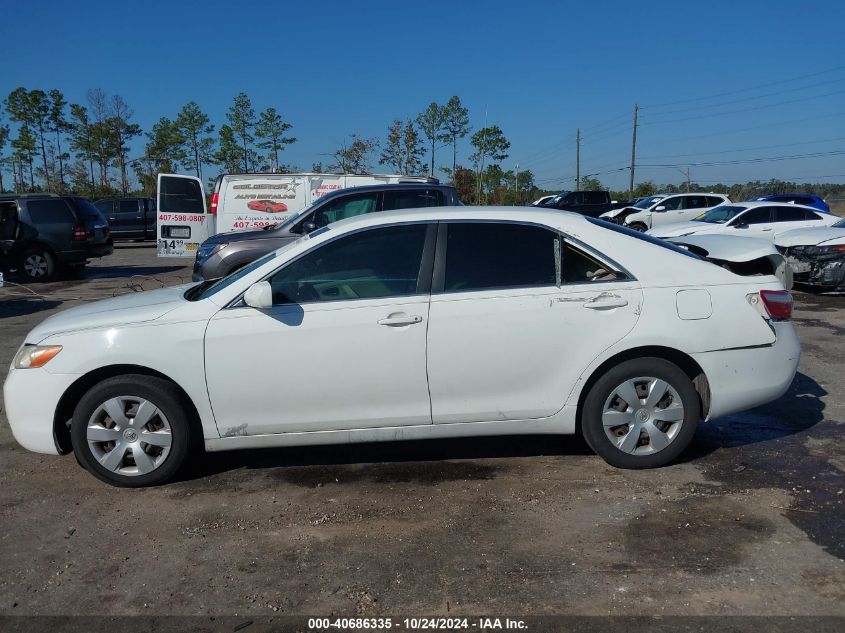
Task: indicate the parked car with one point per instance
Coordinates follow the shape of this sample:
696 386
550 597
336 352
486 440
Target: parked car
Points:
224 253
749 219
804 199
816 255
424 323
130 218
663 209
41 234
267 206
589 203
539 202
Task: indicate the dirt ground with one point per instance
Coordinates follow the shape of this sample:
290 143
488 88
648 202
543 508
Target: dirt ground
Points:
752 521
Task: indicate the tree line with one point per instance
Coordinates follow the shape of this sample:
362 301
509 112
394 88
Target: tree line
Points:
49 144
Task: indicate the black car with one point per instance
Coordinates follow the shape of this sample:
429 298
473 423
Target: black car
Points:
224 253
130 218
589 203
41 234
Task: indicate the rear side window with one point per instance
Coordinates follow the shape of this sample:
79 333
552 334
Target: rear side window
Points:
595 197
151 205
53 211
713 201
8 220
695 202
485 256
412 199
372 264
789 214
127 206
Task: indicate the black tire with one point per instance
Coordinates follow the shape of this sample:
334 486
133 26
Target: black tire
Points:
638 226
168 400
37 264
593 430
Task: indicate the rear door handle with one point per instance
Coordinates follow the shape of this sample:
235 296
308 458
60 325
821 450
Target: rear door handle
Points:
606 301
397 320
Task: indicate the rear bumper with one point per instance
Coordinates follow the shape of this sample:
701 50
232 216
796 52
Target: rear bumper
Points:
101 250
31 397
745 378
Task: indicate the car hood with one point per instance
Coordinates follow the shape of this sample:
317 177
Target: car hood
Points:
614 212
810 236
134 307
240 236
728 247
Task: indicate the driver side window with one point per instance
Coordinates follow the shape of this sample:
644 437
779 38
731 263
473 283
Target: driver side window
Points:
381 262
671 204
345 207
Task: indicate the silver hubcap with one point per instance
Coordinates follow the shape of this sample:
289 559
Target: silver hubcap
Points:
129 435
643 415
35 265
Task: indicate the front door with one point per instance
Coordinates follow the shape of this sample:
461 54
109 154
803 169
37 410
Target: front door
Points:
343 346
516 315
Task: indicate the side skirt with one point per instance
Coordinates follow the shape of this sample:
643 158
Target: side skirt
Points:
562 423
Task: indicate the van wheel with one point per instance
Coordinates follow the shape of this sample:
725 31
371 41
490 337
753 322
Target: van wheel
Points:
638 226
641 414
131 431
38 264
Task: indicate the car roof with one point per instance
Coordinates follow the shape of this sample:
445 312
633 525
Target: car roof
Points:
537 215
768 203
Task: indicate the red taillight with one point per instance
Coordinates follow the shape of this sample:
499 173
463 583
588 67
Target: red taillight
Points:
214 198
778 303
79 234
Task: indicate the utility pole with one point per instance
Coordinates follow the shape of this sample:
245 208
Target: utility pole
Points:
578 159
516 182
633 153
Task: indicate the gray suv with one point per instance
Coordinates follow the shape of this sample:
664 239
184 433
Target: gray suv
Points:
225 253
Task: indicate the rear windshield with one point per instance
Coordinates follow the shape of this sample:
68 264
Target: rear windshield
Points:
640 236
87 211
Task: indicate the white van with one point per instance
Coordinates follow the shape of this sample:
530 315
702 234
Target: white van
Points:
253 201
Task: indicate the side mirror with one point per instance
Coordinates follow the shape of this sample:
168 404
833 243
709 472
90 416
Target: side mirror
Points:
660 208
259 295
308 227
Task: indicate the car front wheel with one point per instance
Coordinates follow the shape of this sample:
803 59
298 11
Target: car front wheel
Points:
638 226
131 430
641 414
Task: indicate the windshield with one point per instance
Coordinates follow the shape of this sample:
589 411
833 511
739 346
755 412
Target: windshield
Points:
720 214
210 287
645 203
840 224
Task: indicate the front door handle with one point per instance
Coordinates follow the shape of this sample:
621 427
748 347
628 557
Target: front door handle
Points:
606 301
398 320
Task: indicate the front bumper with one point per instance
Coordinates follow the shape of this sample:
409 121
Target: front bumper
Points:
31 397
748 377
823 272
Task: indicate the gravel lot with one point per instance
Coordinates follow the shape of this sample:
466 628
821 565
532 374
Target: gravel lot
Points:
751 522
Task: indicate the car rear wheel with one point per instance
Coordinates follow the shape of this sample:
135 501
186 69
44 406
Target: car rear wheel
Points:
641 414
131 431
37 264
638 226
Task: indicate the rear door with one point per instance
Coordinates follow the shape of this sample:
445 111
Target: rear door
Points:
129 218
789 218
182 221
54 222
516 316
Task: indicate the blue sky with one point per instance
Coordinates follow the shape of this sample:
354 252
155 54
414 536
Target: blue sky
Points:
767 78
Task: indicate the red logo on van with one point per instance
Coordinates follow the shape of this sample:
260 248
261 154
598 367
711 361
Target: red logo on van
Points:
267 206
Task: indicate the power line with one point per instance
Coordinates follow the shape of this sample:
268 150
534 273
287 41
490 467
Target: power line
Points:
755 108
741 90
745 149
743 161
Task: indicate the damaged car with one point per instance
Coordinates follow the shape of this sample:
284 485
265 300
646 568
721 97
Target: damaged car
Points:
816 256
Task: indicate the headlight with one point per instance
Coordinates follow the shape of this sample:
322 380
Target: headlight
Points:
31 356
207 250
825 250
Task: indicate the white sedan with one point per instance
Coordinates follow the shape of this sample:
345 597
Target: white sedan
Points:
749 219
431 323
